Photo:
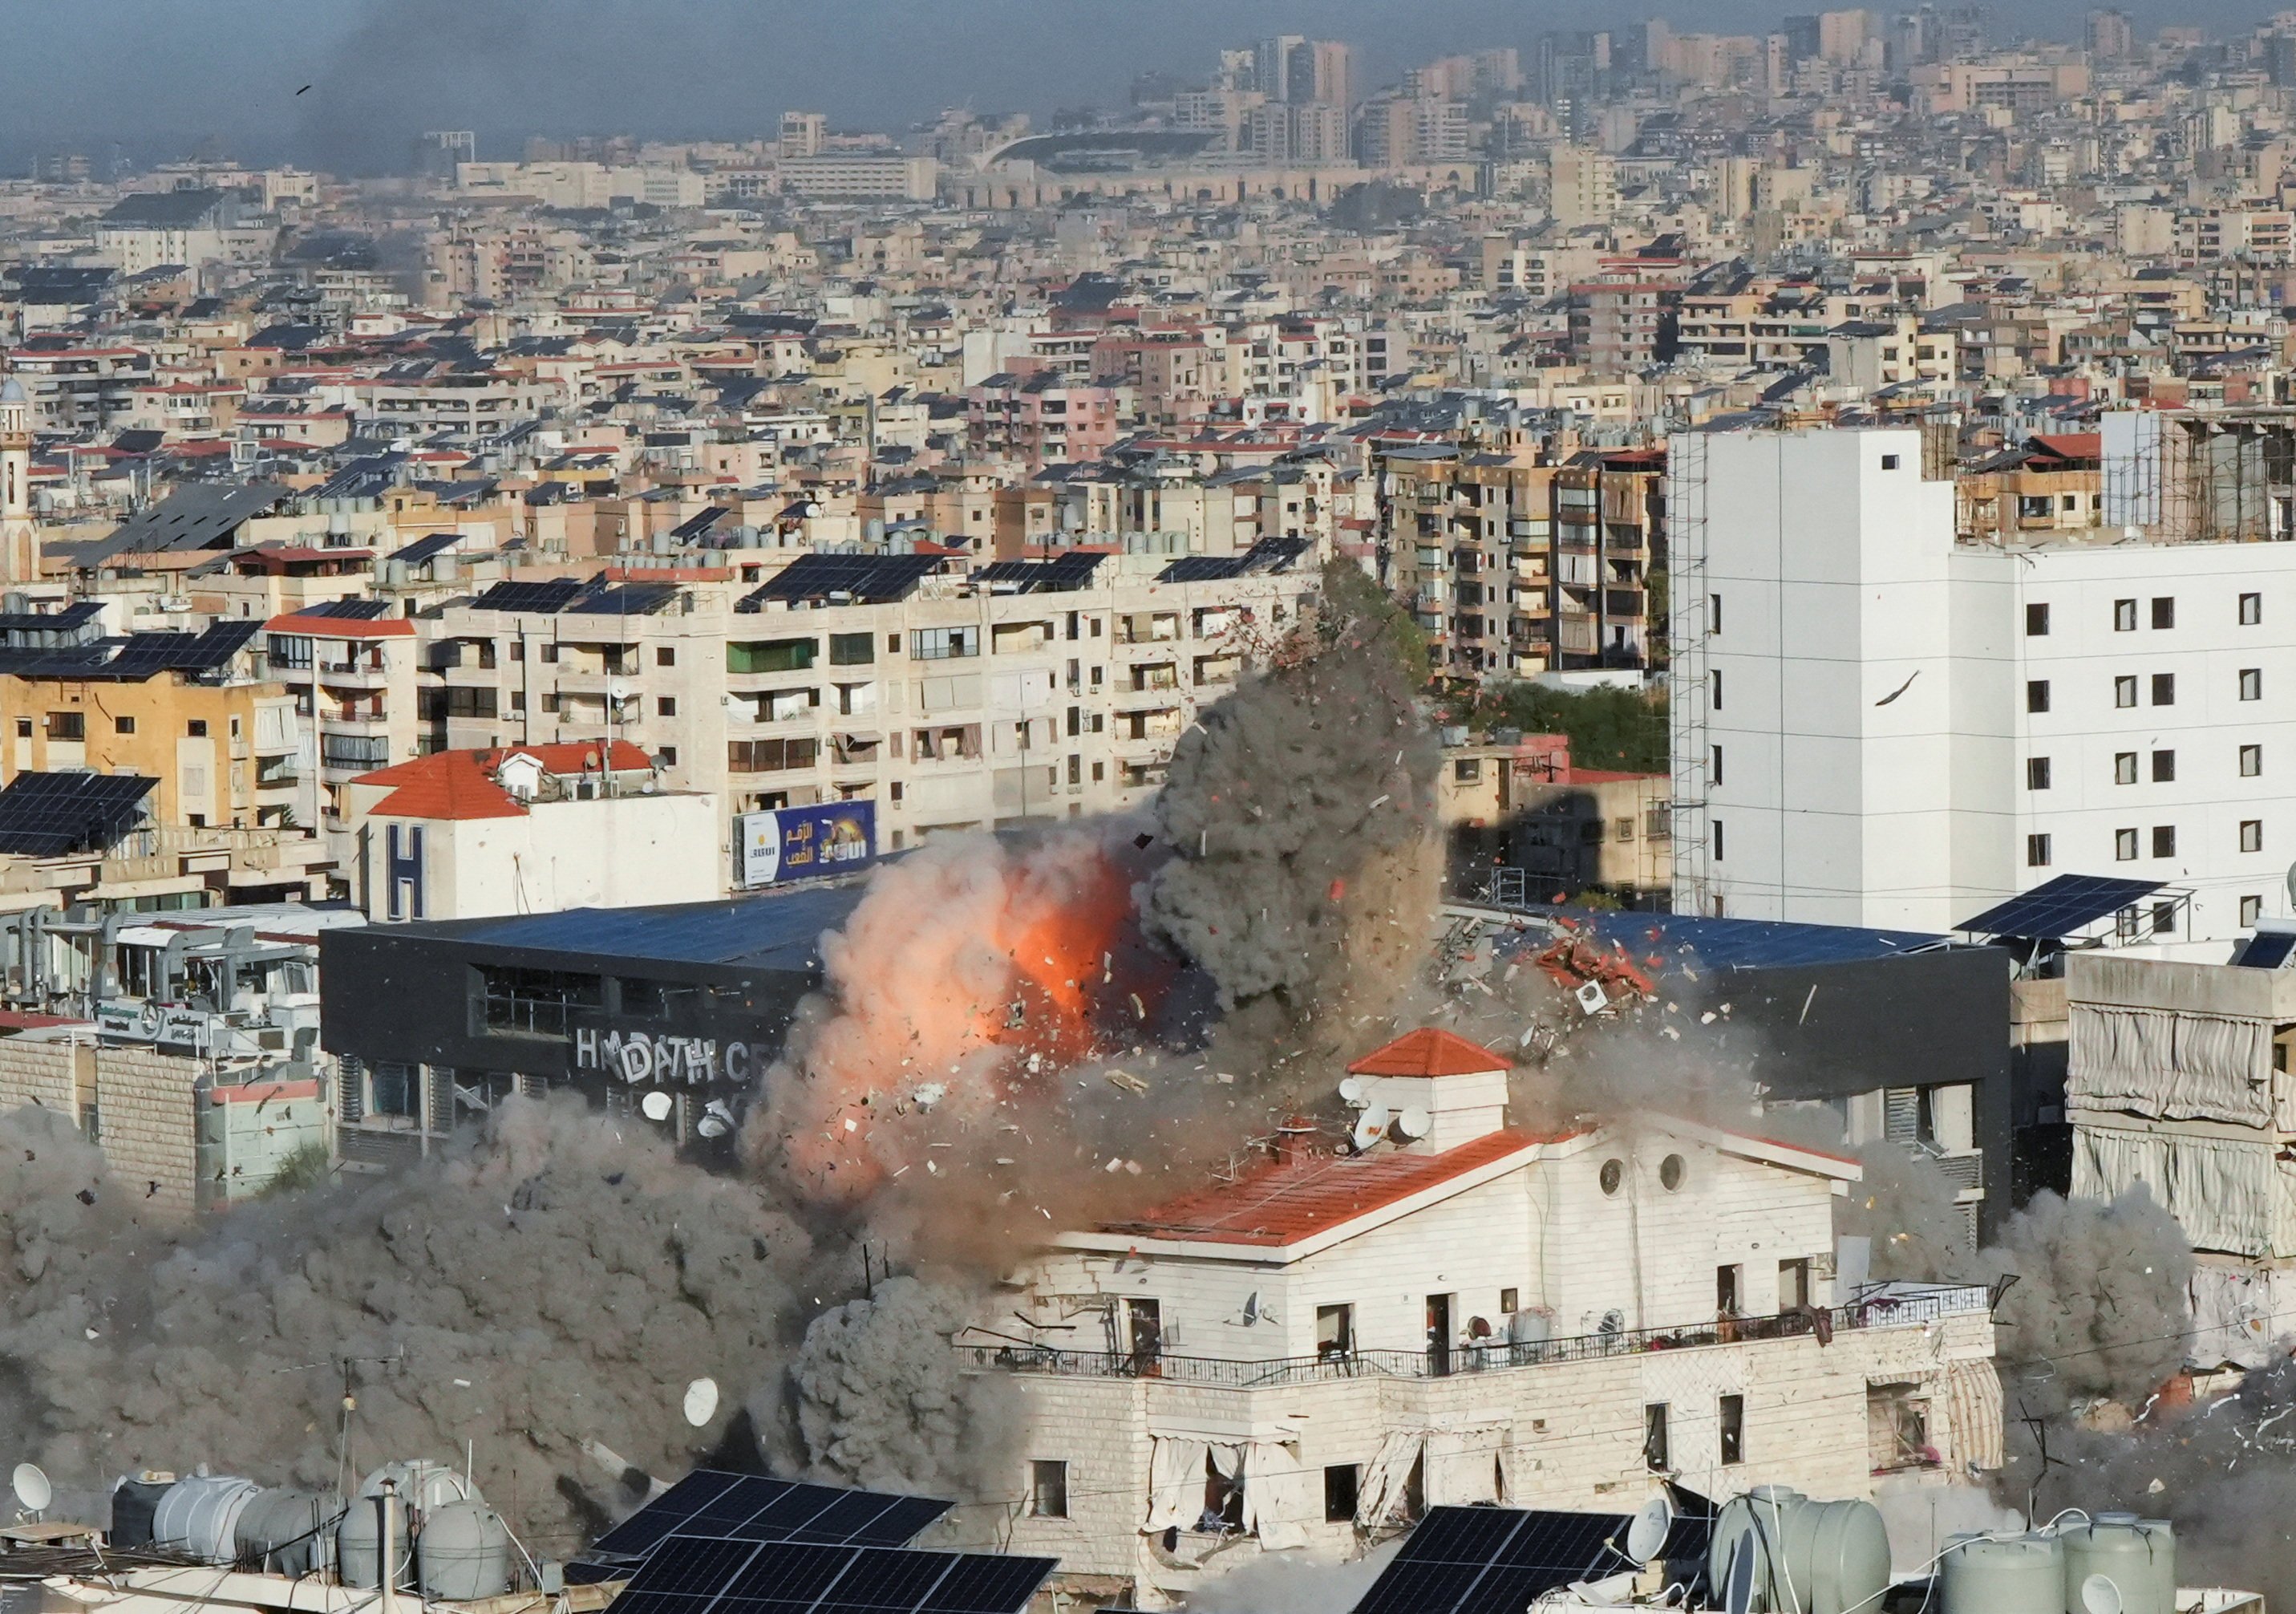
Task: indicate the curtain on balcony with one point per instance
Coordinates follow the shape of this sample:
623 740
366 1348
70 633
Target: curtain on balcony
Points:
2169 1065
2229 1195
1971 1394
1281 1497
1176 1484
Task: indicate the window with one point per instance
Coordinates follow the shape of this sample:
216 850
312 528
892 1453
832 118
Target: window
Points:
23 729
1714 765
2251 683
1466 770
2124 617
1896 1426
518 650
771 756
2251 909
1339 1487
1717 826
1143 1329
470 700
2164 610
2037 851
1714 687
665 655
540 1001
2124 845
2251 761
2124 767
2164 840
2251 610
2164 767
1714 614
2036 622
852 649
1510 1302
1731 1413
944 643
2037 694
1671 1172
2124 690
1654 1442
2164 918
67 725
667 756
394 1090
2164 688
1336 1331
665 706
1793 1282
123 725
549 653
1727 1300
1613 1173
1048 1488
1889 462
2036 773
769 655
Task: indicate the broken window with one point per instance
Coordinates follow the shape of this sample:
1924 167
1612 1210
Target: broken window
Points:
1335 1330
1728 1296
1897 1426
1048 1488
1144 1333
1654 1440
1793 1284
1342 1483
1732 1416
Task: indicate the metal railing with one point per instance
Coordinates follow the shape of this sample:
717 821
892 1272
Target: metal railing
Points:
1901 1307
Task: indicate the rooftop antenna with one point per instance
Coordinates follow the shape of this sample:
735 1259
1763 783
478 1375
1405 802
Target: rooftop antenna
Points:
33 1491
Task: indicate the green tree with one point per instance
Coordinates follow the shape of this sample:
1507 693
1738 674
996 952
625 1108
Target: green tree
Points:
1618 729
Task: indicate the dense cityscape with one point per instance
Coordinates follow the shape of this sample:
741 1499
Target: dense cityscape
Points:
1375 833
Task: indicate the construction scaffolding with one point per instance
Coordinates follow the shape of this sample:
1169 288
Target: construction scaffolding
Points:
1688 626
2184 476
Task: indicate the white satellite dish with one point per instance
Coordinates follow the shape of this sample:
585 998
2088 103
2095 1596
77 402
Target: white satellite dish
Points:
2101 1595
1738 1582
1412 1124
716 1120
2291 885
1371 1126
657 1105
33 1491
700 1402
1592 999
1647 1531
1351 1088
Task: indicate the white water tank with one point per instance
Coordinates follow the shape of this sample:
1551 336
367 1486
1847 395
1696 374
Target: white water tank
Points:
359 1543
422 1484
199 1514
287 1532
1809 1557
2136 1557
2015 1575
463 1551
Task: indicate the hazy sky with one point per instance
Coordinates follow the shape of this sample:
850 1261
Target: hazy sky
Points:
163 75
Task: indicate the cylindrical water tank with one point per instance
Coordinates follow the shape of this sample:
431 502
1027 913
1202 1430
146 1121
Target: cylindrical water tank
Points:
465 1552
133 1500
2019 1575
1809 1557
422 1484
288 1532
358 1544
2137 1556
199 1513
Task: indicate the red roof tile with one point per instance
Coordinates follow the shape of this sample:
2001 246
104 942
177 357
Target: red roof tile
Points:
343 627
1429 1052
456 784
1286 1203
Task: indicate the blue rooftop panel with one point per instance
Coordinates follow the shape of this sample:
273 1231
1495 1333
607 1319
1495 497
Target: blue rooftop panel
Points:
780 931
1680 941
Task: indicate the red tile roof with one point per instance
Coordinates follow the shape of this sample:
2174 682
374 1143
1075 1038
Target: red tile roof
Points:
1429 1052
460 785
343 627
1286 1203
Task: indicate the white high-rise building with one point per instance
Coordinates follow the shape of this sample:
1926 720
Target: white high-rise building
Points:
1875 724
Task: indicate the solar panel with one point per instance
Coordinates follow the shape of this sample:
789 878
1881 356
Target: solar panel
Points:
634 599
368 610
1494 1560
2265 950
867 578
1201 569
690 1575
550 597
49 814
2061 907
1273 555
1060 574
750 1507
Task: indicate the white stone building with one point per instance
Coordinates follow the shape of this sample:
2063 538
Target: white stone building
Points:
1876 725
1304 1355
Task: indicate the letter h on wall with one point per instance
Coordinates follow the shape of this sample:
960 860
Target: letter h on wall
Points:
402 862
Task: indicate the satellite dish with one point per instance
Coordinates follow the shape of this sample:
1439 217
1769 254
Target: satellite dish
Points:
1412 1124
1738 1582
2292 883
1351 1088
1647 1531
2100 1594
700 1402
33 1491
1371 1126
716 1120
1592 999
657 1105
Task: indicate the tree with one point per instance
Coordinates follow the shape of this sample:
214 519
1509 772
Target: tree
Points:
1608 728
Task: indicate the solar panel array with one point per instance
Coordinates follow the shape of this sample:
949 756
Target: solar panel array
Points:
1060 574
2265 950
632 599
368 610
2059 908
548 597
134 658
1201 569
750 1507
45 815
690 1575
1494 1560
866 578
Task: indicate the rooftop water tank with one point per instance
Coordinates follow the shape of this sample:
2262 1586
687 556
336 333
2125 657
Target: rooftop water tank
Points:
422 1484
288 1532
465 1552
359 1543
1809 1557
134 1499
199 1513
2136 1557
2016 1575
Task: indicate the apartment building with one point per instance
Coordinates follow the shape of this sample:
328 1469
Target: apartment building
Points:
1025 689
1336 1337
1876 724
351 670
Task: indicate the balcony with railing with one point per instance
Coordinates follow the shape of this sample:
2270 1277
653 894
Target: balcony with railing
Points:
1892 1306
